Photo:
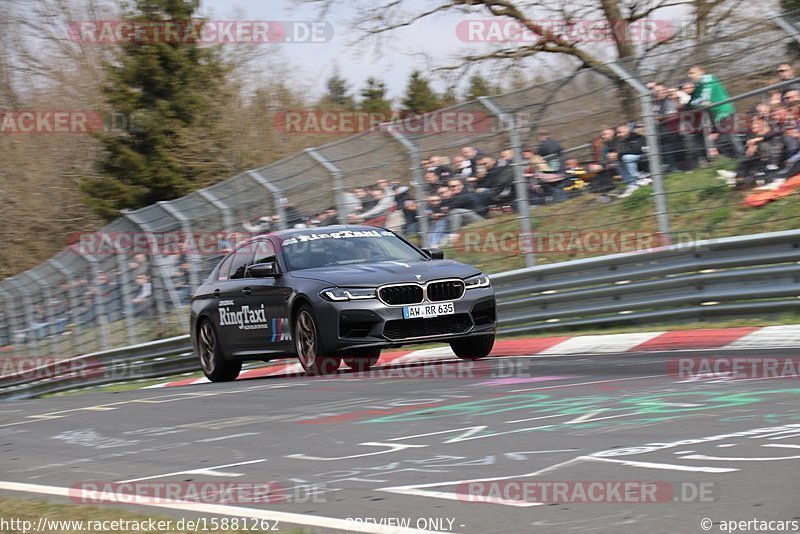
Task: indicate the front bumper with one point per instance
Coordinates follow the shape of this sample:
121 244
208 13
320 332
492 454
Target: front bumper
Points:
370 323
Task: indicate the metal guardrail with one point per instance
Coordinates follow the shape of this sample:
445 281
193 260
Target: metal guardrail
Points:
744 276
693 281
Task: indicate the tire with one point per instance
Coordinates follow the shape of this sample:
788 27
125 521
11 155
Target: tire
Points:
212 360
361 360
473 348
307 344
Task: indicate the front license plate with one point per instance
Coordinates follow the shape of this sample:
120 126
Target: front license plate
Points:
428 310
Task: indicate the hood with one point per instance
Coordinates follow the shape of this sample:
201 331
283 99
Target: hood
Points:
385 272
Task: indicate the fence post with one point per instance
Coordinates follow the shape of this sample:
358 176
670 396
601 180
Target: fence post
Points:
509 122
74 305
186 228
784 24
417 180
338 184
277 196
48 339
227 218
654 151
155 258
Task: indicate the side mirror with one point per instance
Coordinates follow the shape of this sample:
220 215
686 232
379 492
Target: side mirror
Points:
263 270
434 253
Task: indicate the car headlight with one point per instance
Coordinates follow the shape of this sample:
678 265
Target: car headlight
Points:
338 294
477 281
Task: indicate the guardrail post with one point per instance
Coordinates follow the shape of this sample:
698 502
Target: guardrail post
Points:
186 228
509 122
277 196
73 301
654 151
417 181
100 310
227 218
338 183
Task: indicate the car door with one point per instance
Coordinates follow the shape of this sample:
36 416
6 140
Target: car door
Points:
267 305
232 291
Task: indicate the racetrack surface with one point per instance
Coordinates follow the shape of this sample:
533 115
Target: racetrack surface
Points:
410 446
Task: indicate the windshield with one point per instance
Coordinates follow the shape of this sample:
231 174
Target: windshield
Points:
322 249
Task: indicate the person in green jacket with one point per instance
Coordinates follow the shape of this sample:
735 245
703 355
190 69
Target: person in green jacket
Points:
709 91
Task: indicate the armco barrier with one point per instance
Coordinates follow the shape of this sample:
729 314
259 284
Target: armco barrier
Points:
745 276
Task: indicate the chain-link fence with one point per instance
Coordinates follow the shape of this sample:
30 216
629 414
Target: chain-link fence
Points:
539 174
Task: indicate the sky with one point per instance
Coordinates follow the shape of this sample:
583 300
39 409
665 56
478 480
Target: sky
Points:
315 62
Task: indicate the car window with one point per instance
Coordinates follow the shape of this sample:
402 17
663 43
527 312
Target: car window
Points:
264 252
313 249
225 268
240 262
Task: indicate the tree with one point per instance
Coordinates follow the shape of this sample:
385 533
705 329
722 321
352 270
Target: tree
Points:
170 92
337 94
373 97
479 86
622 19
420 98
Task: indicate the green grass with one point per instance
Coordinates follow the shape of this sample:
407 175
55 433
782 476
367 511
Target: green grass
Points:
700 206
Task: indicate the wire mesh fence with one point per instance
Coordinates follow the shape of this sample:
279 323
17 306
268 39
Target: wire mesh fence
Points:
542 174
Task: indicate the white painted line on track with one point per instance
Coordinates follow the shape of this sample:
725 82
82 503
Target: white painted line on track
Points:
213 471
220 509
657 465
209 440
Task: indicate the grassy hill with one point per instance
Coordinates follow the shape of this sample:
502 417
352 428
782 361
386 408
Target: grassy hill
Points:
700 206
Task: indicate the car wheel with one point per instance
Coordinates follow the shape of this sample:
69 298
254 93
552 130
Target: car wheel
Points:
215 366
308 344
362 359
473 348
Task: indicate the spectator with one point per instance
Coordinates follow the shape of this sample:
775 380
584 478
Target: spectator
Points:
709 91
441 168
383 202
606 160
432 183
437 220
497 186
141 302
462 167
764 152
262 226
506 157
669 136
533 163
630 147
329 217
471 155
785 73
550 150
461 205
